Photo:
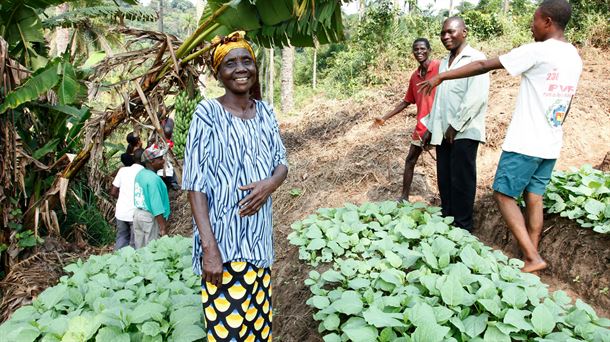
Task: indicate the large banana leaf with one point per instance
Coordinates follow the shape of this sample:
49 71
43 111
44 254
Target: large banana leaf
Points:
22 30
279 22
39 83
70 89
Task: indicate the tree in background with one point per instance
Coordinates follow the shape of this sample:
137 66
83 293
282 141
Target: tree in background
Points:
287 81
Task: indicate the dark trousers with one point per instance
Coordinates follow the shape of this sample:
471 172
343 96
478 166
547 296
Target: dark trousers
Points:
456 168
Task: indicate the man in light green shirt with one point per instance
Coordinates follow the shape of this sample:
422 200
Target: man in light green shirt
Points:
151 200
456 125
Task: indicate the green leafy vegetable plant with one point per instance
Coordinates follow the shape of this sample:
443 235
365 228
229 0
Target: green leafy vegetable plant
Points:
146 295
401 272
582 195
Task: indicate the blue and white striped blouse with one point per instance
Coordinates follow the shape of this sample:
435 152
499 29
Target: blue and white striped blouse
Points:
222 153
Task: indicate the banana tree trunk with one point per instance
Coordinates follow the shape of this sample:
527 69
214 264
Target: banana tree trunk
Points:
315 68
160 16
287 79
270 76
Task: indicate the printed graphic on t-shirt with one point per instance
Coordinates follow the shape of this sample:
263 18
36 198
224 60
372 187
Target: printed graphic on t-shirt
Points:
561 94
557 113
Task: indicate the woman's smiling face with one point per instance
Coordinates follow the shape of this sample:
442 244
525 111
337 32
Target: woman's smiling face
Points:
237 71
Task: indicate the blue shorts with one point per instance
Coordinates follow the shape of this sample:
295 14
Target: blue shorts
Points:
517 172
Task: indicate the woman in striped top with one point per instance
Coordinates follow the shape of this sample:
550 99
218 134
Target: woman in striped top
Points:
234 160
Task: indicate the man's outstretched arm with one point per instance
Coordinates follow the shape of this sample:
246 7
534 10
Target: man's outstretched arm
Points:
471 69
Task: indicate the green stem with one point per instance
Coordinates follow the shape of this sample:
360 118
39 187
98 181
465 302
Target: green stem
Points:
169 62
202 37
203 27
196 54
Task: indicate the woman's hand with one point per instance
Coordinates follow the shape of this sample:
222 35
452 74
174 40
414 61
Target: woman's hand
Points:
212 265
259 193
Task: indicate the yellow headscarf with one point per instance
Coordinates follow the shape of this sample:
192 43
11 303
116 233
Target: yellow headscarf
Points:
234 40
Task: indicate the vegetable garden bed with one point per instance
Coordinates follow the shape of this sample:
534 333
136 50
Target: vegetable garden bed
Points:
146 295
403 273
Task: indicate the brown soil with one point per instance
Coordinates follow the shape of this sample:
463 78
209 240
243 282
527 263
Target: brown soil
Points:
335 157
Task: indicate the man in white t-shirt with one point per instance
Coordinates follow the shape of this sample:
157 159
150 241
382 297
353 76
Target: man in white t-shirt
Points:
123 189
550 69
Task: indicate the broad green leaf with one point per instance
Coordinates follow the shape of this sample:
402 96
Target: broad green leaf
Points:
516 318
380 319
452 292
350 303
442 314
314 232
53 295
494 334
491 305
358 283
331 322
188 333
587 308
145 311
475 325
316 244
358 331
392 276
69 88
39 83
320 302
429 332
506 329
151 328
542 320
594 207
514 296
393 259
332 276
331 338
421 314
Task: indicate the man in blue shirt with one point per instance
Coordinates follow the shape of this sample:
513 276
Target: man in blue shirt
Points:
151 200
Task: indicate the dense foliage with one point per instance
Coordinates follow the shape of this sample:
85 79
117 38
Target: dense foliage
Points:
582 195
144 295
401 272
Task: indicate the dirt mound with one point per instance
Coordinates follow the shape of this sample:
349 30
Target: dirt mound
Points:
580 258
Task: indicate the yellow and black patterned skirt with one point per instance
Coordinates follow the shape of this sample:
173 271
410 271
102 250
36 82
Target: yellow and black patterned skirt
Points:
239 309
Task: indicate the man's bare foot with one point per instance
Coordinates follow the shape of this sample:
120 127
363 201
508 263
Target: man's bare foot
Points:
534 266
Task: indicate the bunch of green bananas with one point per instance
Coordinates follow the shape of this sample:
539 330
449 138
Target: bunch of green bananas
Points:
184 107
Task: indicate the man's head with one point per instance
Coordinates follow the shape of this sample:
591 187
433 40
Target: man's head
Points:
454 33
133 138
421 49
550 17
137 156
127 159
152 158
